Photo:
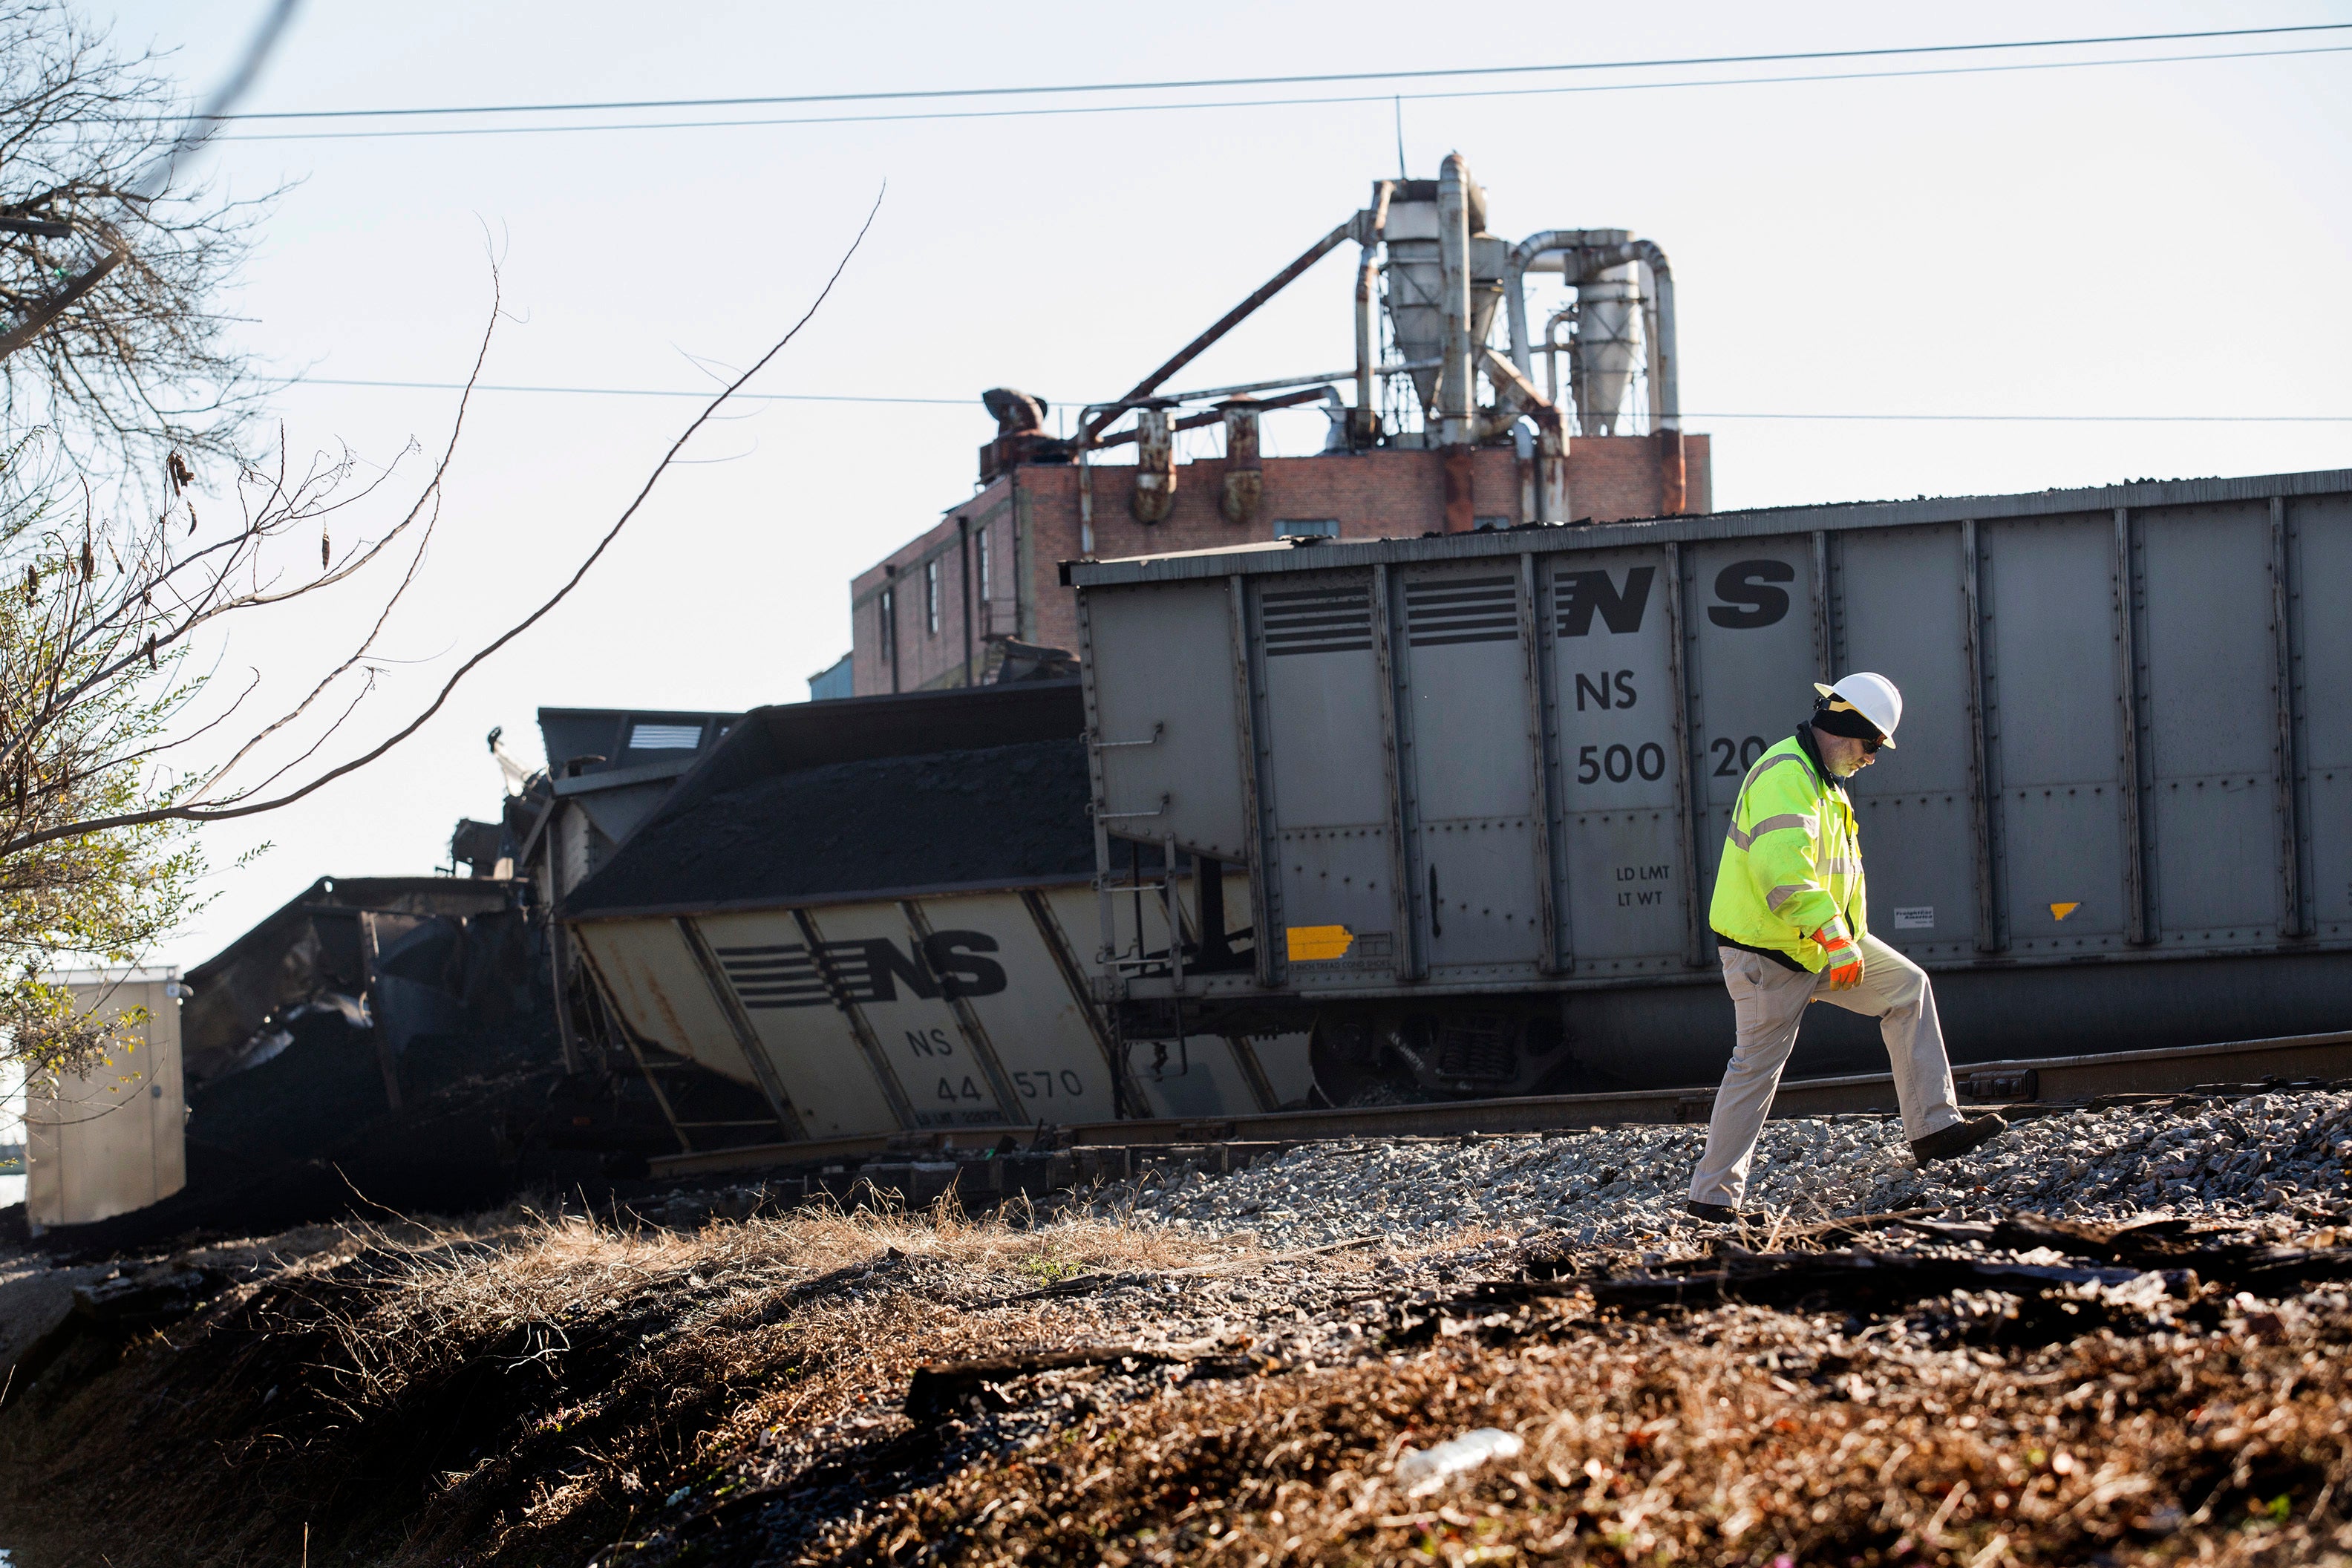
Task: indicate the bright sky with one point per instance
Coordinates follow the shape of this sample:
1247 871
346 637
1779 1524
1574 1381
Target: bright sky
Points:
2136 239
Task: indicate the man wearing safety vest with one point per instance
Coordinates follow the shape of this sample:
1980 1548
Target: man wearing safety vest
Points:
1787 914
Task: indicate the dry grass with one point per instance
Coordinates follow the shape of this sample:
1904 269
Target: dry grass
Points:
538 1386
1740 1435
522 1386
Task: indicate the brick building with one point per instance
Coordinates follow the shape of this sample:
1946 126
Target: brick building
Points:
1419 451
998 553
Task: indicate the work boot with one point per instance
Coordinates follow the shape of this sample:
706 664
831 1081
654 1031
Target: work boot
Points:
1714 1214
1958 1139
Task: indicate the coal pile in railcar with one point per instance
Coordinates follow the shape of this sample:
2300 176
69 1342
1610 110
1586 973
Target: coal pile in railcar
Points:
922 791
934 820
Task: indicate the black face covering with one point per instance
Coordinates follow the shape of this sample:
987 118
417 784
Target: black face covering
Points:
1847 721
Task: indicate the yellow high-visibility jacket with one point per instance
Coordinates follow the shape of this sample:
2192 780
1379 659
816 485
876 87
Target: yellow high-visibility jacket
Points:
1792 861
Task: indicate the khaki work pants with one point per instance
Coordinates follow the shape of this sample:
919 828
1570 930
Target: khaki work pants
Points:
1769 1001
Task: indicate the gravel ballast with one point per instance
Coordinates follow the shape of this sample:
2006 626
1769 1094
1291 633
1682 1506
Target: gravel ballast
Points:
2281 1154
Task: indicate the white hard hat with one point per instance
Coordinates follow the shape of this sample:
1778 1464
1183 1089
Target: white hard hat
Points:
1871 696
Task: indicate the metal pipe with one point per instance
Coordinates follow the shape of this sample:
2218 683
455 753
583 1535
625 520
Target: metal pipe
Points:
1551 348
1212 394
1523 260
1086 477
1323 394
1454 391
1155 466
1225 324
1523 454
1651 338
1244 494
1517 398
1361 427
963 549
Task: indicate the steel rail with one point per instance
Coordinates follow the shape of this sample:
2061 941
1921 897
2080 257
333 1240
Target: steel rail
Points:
2037 1082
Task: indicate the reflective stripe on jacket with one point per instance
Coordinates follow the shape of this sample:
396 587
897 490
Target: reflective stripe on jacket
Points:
1792 861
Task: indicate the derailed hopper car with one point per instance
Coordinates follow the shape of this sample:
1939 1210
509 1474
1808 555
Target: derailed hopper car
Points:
1480 781
880 911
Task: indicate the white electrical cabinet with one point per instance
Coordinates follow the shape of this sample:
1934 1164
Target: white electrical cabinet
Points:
114 1139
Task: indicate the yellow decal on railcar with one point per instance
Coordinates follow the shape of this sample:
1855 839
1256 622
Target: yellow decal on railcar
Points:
1307 943
2060 911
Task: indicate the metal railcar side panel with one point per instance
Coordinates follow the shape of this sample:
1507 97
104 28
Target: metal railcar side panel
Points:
901 985
652 977
1053 1055
820 1060
1203 1076
2051 636
1325 853
2128 736
1196 1076
1149 709
918 1018
2208 696
1752 653
1897 608
1463 732
1610 641
2321 565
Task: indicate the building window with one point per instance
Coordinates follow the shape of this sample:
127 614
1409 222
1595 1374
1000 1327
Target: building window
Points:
890 614
1310 527
932 598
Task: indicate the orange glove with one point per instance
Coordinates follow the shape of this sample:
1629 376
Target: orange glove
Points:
1844 966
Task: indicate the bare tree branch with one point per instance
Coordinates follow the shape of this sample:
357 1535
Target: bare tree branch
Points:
288 504
110 256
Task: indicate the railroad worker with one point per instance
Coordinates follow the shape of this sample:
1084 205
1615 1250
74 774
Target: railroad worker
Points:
1788 912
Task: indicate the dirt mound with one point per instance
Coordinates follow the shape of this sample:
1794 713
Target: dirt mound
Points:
525 1389
1744 1437
530 1389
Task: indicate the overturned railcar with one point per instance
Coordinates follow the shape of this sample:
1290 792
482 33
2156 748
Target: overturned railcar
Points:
1479 781
880 913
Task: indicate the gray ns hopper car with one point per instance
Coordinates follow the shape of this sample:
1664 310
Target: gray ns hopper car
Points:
878 913
1480 781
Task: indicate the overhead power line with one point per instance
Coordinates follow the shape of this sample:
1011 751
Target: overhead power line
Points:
2061 418
1052 111
706 394
1320 78
973 404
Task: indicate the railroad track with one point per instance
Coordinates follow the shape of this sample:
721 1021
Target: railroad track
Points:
983 1161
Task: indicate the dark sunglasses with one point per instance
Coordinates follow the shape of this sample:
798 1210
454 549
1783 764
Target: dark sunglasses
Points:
1870 748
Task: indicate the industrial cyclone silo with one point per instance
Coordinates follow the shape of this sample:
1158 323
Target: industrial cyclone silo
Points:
1416 279
1608 302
